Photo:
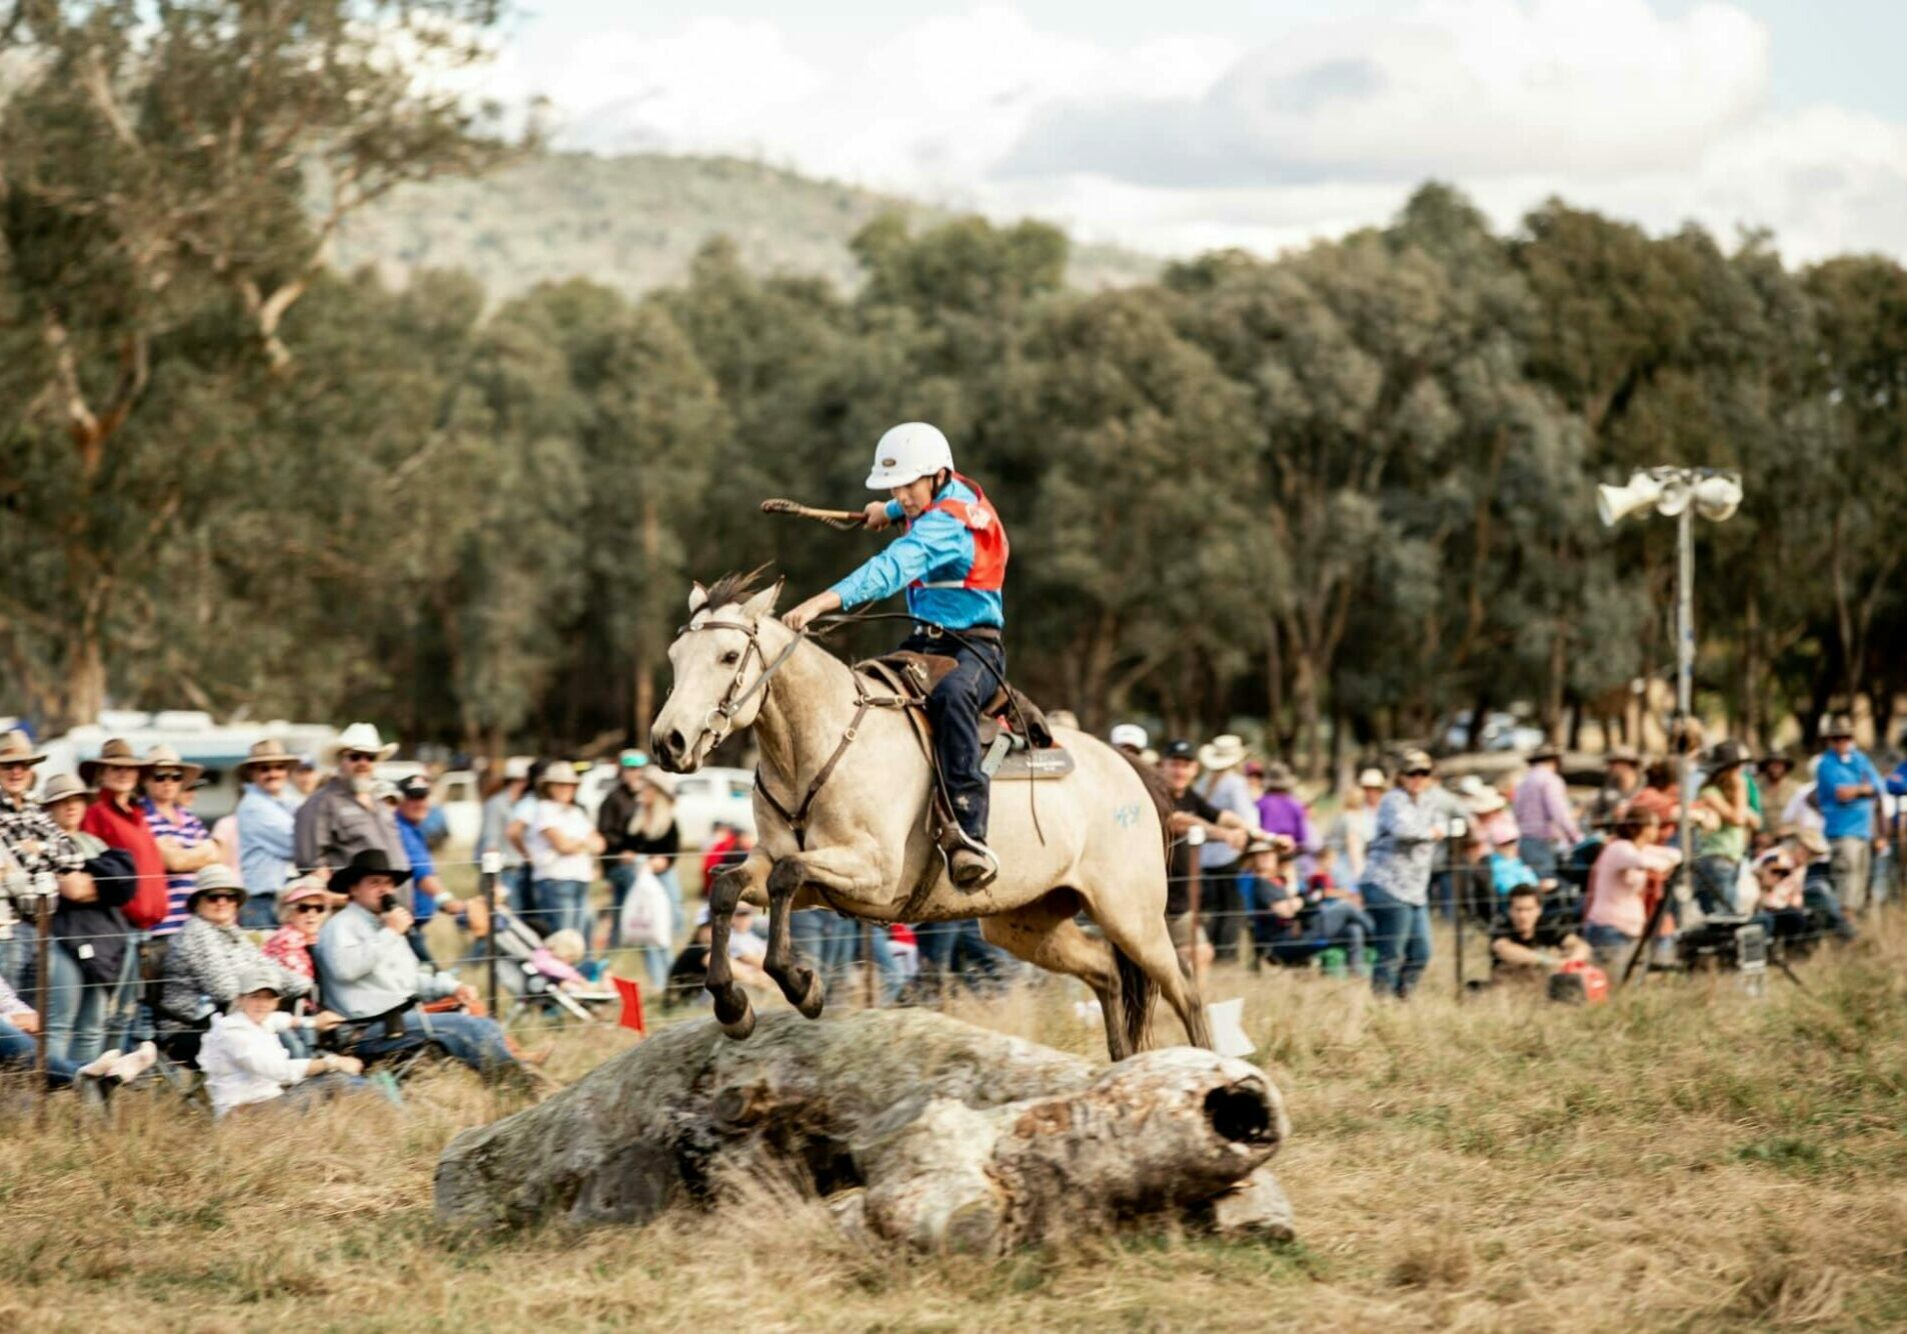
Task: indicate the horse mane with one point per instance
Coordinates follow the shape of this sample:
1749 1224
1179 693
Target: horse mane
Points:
736 586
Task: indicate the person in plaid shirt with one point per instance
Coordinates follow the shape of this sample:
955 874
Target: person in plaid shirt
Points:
29 844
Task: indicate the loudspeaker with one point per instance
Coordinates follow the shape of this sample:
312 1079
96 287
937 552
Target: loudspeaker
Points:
1718 496
1616 503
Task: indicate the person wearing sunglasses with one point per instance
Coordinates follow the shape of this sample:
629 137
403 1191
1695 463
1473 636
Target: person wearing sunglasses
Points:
185 844
206 960
303 906
29 843
1395 885
344 818
267 818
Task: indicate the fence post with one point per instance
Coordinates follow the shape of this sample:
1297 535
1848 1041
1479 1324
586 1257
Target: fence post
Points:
491 865
45 889
1459 892
1194 839
867 965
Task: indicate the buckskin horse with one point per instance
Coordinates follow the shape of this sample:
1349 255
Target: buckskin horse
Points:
841 798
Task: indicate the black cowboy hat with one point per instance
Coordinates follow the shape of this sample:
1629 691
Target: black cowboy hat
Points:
372 861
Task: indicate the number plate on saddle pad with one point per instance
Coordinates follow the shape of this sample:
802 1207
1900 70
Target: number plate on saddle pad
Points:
1020 761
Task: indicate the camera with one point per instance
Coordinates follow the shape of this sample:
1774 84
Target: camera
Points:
1724 945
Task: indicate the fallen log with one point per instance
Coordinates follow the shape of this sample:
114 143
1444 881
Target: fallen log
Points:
918 1128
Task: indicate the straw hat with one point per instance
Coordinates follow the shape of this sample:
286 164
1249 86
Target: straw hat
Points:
115 752
269 751
165 757
360 737
1372 778
1222 753
17 748
559 772
61 786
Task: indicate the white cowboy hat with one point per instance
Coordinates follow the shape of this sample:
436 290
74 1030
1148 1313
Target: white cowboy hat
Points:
1487 802
559 771
1372 778
1222 752
360 737
165 757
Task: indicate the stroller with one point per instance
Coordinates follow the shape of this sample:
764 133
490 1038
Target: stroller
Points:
517 971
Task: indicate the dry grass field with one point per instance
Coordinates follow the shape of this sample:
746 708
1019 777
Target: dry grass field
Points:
1685 1157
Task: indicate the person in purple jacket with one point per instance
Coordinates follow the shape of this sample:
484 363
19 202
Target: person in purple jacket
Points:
1281 812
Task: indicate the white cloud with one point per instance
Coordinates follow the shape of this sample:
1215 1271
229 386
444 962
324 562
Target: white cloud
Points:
1183 141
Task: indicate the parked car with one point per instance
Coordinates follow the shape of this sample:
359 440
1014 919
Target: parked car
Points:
701 799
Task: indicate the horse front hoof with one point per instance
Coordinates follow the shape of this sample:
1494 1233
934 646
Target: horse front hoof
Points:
811 1002
734 1013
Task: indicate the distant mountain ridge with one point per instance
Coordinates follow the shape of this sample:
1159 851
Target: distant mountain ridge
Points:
635 221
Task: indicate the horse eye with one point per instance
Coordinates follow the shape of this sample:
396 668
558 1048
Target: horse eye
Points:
730 658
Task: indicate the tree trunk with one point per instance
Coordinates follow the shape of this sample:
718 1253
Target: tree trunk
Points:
922 1130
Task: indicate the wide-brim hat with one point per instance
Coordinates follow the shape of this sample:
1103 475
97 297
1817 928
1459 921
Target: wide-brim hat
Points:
1372 778
1221 752
269 751
296 891
661 781
1488 802
1837 725
1812 841
61 786
218 878
1622 755
165 757
1279 778
360 737
1547 750
16 747
118 753
372 861
559 772
1726 755
1415 759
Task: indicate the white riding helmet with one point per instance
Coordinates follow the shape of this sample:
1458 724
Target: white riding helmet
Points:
907 453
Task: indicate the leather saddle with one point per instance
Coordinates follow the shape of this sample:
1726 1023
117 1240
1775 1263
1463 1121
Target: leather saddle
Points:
1031 751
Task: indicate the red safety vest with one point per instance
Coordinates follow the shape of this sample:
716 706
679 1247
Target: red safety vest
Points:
990 548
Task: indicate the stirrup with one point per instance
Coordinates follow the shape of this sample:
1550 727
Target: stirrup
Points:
985 876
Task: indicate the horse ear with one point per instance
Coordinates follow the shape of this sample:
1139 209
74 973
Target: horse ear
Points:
698 598
763 602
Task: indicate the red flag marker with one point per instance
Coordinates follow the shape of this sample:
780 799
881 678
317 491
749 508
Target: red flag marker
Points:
631 1004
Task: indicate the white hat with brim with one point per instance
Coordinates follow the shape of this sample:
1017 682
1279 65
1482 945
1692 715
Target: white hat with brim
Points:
1372 778
361 737
16 747
1222 752
269 751
60 787
165 757
1488 802
560 773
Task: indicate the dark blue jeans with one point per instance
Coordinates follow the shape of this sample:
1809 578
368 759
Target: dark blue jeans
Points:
1333 922
957 950
478 1043
16 1049
1399 930
954 711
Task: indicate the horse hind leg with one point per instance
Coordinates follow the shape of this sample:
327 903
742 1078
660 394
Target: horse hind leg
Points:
1147 944
1044 934
799 983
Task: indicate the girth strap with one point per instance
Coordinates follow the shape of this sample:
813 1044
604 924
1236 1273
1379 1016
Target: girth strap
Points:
797 819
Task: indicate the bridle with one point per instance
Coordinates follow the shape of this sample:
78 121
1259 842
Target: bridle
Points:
720 720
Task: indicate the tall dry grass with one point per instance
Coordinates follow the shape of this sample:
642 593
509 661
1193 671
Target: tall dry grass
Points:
1683 1157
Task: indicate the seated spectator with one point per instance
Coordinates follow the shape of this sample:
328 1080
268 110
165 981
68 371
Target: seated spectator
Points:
557 957
19 1022
1618 913
1300 924
366 970
1523 945
1508 872
688 975
208 956
303 906
246 1064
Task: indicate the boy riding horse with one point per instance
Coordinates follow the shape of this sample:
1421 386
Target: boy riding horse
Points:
952 562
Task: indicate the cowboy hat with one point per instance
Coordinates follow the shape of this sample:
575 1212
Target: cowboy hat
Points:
1838 725
165 757
116 753
1621 755
269 751
1545 750
361 737
1372 778
1811 841
559 772
1775 757
1222 753
218 878
1278 777
1726 755
17 748
1487 802
372 861
61 786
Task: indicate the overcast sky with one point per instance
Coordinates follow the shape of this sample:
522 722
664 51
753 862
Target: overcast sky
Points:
1177 127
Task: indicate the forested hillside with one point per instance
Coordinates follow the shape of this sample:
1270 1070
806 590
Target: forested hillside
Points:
634 222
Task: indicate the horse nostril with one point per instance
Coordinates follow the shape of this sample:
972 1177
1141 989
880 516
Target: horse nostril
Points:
677 746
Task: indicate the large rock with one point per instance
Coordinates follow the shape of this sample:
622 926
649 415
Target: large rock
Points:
923 1129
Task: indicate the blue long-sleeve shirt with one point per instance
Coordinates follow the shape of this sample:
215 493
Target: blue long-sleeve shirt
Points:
936 549
1897 780
417 848
265 838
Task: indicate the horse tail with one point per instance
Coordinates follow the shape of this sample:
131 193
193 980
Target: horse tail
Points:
1137 991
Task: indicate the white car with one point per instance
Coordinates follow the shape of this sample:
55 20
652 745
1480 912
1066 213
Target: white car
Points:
701 798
